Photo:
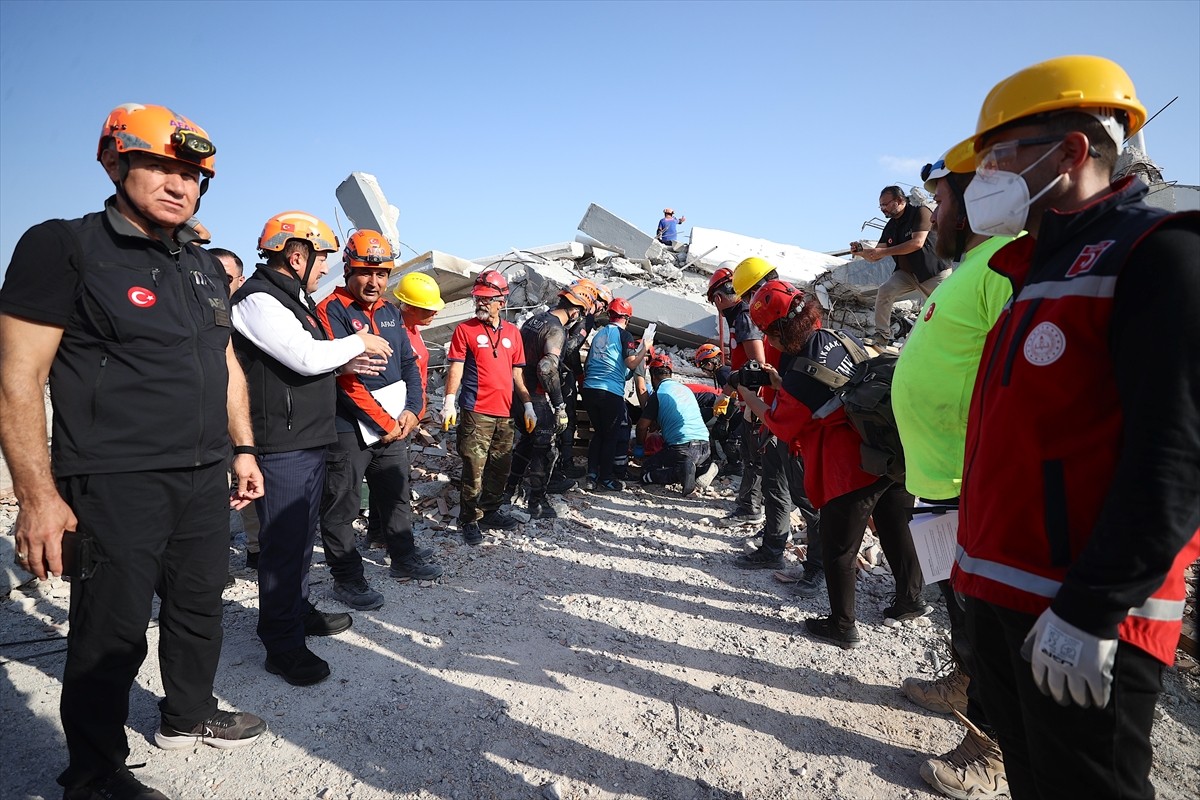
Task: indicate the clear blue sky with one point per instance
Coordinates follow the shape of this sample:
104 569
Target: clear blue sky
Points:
494 124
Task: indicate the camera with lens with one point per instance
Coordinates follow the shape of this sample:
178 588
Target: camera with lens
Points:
752 375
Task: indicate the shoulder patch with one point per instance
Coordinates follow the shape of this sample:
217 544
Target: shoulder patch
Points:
1045 344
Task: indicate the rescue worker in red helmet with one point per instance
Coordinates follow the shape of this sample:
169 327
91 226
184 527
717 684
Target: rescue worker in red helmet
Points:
486 357
832 479
290 360
135 484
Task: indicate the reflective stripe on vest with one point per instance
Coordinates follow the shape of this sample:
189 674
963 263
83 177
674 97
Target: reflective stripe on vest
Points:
1156 609
1095 286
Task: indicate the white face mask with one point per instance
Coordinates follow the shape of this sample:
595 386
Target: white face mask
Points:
998 202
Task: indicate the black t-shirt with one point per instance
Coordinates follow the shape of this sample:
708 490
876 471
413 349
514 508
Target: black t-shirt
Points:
825 349
924 263
42 277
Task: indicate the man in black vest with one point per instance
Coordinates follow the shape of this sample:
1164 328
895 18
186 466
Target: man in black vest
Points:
906 239
132 327
290 362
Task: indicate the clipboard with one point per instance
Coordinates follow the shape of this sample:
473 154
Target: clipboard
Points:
935 537
392 397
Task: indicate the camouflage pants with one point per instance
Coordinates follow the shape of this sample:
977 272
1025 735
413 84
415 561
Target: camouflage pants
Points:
485 444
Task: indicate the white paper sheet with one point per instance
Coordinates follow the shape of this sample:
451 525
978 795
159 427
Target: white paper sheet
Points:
935 536
392 397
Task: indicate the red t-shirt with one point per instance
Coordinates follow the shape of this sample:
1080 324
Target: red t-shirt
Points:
422 354
489 356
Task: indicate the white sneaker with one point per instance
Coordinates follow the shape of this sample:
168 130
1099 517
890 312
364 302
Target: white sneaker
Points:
705 480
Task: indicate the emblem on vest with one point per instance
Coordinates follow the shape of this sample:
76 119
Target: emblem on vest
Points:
357 324
142 298
1088 257
929 311
1045 344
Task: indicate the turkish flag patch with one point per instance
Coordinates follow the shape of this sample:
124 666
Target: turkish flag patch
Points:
357 324
141 297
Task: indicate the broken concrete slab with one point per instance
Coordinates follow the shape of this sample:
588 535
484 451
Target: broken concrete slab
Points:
364 203
794 263
615 233
569 251
455 276
682 322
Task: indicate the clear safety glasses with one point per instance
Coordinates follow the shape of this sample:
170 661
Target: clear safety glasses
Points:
1000 155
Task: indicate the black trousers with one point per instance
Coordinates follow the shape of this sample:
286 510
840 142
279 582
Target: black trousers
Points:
843 522
565 441
1052 751
288 515
387 471
610 432
750 489
674 462
535 455
783 490
164 532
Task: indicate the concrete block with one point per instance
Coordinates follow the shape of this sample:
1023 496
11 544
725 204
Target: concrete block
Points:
794 263
614 233
364 203
682 322
455 276
860 272
569 251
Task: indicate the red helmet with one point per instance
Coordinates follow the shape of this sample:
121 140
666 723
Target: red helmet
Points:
490 283
661 361
721 276
367 249
704 353
774 301
619 307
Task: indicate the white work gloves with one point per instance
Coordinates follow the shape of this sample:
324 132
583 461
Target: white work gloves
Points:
449 413
530 418
648 336
561 420
1068 664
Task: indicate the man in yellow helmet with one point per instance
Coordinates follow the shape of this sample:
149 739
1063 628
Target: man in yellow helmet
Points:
1081 489
132 327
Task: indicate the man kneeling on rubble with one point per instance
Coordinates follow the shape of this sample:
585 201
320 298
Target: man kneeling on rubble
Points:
686 450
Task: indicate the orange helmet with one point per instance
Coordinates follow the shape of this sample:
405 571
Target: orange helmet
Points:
159 131
619 307
297 225
704 353
367 249
490 283
605 294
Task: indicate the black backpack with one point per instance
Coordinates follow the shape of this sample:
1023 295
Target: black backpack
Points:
867 397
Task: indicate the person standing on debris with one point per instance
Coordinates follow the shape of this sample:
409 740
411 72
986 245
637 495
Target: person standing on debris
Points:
290 361
543 336
931 392
133 496
782 467
906 238
685 457
375 415
745 344
486 355
1087 408
846 495
571 373
668 228
610 361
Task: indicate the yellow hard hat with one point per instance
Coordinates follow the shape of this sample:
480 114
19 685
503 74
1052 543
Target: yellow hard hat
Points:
749 272
1060 84
419 290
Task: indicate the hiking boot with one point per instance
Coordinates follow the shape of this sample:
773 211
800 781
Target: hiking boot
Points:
357 594
120 785
541 509
471 534
225 730
759 559
972 771
901 612
741 516
810 584
498 521
705 479
945 695
589 483
252 560
230 581
560 486
423 553
824 628
299 667
610 485
415 570
318 623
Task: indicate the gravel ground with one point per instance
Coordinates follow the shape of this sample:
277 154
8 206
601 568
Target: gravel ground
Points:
613 653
